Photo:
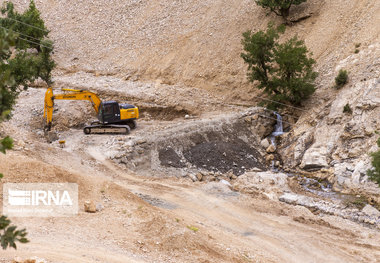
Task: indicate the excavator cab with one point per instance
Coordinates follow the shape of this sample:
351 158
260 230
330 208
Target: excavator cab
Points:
113 112
109 112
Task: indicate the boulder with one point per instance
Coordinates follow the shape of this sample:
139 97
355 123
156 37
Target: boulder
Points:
193 177
89 207
199 176
271 149
360 170
371 211
99 207
265 143
269 158
268 183
51 136
314 158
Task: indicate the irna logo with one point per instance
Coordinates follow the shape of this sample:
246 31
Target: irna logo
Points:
39 197
40 200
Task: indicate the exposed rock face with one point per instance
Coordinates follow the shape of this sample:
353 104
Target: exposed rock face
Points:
340 141
326 137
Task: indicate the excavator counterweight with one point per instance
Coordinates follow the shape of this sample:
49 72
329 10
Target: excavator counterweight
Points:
112 116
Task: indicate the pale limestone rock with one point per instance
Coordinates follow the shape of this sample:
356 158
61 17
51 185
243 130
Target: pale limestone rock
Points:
371 211
265 143
193 177
315 158
270 184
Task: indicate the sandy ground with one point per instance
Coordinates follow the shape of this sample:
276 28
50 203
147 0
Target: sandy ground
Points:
149 218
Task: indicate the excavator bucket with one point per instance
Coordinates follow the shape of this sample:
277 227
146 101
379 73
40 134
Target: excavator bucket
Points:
48 108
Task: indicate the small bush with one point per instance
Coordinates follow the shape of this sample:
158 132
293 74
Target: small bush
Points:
374 174
193 228
357 45
357 51
341 79
347 109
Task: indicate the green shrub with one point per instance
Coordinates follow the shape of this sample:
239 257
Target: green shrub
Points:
347 109
374 174
279 7
341 79
30 33
9 234
284 70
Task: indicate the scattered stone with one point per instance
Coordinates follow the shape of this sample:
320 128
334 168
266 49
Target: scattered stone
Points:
268 183
271 149
187 116
17 260
248 119
289 198
255 169
225 182
269 158
192 177
89 207
52 136
199 176
99 207
371 211
315 158
265 143
141 141
30 260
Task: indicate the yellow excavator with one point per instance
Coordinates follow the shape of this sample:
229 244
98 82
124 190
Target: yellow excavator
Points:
113 117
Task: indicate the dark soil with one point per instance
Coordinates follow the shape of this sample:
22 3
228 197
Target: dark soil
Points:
220 156
168 157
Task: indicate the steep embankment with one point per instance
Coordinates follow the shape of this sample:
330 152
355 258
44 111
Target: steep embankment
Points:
195 42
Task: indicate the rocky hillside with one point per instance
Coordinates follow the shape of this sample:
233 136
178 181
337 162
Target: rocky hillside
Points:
197 44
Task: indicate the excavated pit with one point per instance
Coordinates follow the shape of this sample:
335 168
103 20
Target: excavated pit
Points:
220 145
221 156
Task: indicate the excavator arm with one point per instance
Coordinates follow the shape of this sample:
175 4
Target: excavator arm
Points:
73 95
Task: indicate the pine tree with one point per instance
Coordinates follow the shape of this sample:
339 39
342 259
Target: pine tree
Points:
283 70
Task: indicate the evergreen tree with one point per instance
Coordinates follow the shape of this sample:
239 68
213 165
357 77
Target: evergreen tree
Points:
279 7
30 33
283 70
9 234
29 24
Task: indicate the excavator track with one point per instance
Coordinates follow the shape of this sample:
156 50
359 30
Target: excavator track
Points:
107 129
